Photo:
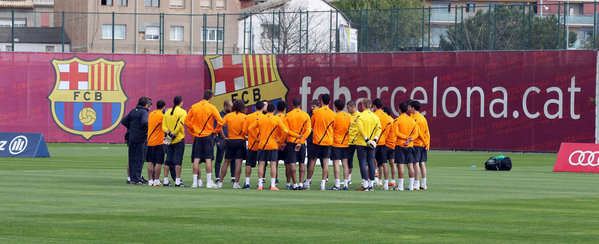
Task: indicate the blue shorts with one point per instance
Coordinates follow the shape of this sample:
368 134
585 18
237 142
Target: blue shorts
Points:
268 155
420 154
291 156
339 153
404 155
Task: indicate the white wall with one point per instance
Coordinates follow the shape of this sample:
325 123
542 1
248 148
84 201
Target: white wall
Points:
319 26
35 47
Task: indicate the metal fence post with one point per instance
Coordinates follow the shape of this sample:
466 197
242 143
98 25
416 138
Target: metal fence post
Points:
489 26
330 30
422 36
272 34
204 34
112 31
559 12
307 31
523 26
12 30
455 30
63 35
337 30
429 29
217 28
461 27
594 24
300 31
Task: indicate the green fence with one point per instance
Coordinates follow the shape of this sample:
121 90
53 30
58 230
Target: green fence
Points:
468 27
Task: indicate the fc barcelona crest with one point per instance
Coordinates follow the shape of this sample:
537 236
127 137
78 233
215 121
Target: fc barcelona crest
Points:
87 98
250 78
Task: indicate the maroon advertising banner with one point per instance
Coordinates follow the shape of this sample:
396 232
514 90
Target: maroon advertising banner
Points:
523 101
83 97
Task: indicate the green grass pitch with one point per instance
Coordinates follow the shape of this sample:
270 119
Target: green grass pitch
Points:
79 195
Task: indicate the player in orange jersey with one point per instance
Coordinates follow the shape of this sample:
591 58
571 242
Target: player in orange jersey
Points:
298 121
235 142
252 146
322 137
155 153
340 151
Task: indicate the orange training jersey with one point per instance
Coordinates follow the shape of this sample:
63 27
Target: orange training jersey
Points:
268 126
299 122
322 126
155 134
200 119
386 126
424 137
341 129
390 141
234 122
281 136
405 127
252 135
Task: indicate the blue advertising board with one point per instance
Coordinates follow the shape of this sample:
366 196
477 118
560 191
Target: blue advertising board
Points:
30 145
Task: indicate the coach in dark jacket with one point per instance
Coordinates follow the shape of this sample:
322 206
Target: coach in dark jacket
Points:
137 128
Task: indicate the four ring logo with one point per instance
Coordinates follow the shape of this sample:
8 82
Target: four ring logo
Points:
585 158
17 145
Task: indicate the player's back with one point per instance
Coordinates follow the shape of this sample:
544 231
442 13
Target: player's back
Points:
322 121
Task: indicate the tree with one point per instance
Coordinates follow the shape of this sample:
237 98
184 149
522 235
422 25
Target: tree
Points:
385 25
284 30
506 28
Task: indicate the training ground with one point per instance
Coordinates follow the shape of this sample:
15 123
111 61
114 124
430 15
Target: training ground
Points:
79 195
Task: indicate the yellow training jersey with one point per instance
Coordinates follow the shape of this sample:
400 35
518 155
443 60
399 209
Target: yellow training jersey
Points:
322 126
175 123
353 128
299 122
341 129
369 127
201 117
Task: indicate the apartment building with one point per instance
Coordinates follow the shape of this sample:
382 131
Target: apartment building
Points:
27 13
186 26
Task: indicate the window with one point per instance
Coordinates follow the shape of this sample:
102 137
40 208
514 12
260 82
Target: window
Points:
220 4
8 22
470 7
176 33
152 3
106 2
121 2
119 32
177 3
49 48
9 48
205 4
152 33
212 34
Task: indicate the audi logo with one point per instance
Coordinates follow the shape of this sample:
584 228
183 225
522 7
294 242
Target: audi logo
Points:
584 158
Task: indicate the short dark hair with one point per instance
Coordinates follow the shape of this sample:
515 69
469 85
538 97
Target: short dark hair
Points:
143 101
378 103
387 110
281 106
259 105
270 108
238 106
208 94
325 98
339 104
296 102
314 102
351 104
416 105
160 104
403 107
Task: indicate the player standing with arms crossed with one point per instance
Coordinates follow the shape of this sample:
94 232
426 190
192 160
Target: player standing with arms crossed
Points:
200 123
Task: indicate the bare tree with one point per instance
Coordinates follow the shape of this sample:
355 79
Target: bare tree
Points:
291 28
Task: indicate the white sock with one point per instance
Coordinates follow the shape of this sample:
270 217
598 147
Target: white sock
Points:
386 183
301 184
272 181
295 185
209 177
128 178
150 182
392 181
166 180
233 178
416 183
195 178
200 182
349 177
345 182
400 182
423 181
288 184
411 182
308 181
178 181
370 183
323 183
337 182
260 181
364 183
247 180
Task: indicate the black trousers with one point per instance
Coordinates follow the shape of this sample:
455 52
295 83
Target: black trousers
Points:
220 154
137 157
366 157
